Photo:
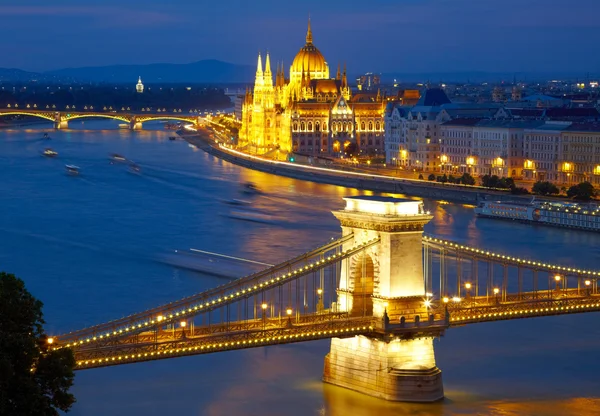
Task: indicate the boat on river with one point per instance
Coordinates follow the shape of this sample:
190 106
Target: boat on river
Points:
134 168
50 153
250 189
72 170
117 157
172 138
553 213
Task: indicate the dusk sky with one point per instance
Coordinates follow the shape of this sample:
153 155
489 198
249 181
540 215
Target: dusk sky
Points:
376 35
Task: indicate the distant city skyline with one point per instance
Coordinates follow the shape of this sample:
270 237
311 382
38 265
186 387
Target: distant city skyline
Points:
396 36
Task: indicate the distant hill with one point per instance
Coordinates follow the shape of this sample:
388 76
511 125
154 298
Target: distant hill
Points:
206 71
12 74
475 76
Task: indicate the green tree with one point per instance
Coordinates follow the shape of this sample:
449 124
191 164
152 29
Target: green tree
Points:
545 188
420 176
518 190
467 179
583 191
34 379
431 177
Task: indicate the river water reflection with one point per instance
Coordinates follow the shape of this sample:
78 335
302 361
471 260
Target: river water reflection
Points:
91 247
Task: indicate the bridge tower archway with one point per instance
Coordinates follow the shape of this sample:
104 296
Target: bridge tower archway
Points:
386 281
363 274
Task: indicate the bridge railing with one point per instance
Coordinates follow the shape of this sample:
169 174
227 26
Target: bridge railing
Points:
220 297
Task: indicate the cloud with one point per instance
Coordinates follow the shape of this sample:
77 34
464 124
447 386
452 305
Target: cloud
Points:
101 16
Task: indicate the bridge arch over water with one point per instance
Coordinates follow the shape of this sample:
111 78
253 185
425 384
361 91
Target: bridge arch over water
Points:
386 351
61 118
50 116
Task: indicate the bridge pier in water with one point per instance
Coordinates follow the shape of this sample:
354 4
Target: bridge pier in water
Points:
386 281
135 125
61 124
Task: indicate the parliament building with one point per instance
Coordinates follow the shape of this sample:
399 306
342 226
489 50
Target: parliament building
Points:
309 112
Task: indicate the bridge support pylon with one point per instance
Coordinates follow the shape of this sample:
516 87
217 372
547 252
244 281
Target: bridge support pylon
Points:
61 124
386 281
134 124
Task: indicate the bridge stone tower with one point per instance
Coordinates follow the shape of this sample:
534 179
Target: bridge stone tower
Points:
385 281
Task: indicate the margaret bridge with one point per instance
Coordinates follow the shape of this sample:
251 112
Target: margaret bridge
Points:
381 292
134 119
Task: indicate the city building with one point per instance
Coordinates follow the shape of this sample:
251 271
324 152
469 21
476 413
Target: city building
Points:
484 146
368 82
412 134
580 153
139 87
237 97
309 112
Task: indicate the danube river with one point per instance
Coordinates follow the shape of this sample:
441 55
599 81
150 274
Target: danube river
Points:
91 248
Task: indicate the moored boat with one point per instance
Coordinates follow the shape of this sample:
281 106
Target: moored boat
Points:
558 214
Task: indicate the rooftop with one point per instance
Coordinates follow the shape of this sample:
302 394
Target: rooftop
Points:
433 97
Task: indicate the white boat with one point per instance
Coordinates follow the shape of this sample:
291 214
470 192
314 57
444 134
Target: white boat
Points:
72 169
117 157
124 126
49 153
557 214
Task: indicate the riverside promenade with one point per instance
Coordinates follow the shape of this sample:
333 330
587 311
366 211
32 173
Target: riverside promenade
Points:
366 181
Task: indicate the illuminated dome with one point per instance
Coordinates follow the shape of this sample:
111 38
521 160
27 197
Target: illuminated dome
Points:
310 60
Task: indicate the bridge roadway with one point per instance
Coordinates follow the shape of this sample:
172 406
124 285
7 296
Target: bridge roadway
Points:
155 334
218 297
61 118
237 335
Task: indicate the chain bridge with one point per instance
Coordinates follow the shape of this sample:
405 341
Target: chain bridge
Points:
61 118
381 292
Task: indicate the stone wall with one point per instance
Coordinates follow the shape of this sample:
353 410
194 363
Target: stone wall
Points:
424 189
398 370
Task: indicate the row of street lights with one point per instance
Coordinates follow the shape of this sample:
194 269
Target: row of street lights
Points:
109 108
496 291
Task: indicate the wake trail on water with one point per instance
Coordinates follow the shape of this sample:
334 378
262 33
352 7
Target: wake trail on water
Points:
187 174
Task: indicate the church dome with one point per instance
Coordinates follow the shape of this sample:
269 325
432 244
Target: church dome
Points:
309 60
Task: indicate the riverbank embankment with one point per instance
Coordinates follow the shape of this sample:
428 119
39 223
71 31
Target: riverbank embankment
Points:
425 189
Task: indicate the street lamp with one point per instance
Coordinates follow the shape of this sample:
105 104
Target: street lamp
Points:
496 293
468 290
264 306
557 280
288 312
320 305
50 340
588 283
183 325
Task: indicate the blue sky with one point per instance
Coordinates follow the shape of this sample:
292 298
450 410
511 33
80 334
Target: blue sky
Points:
377 35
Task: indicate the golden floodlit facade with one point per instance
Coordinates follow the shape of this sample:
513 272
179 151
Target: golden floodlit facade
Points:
309 112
